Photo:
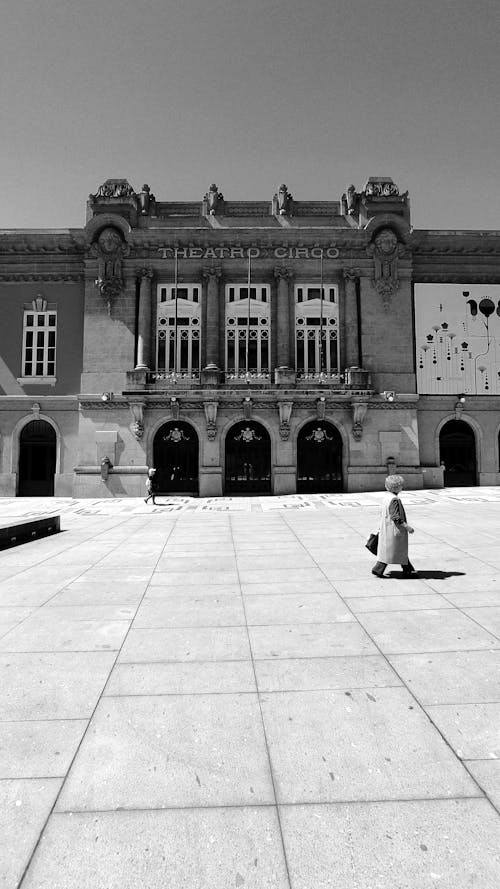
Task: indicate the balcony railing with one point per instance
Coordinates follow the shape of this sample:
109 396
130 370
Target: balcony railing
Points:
336 379
251 376
168 378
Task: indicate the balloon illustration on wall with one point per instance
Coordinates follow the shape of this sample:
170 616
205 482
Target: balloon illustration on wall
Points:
458 338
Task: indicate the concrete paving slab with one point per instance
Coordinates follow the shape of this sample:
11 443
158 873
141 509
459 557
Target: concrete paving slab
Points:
24 808
308 674
201 578
466 583
328 746
194 644
55 685
373 586
296 609
309 640
121 594
11 616
452 677
113 576
198 848
102 611
163 752
453 844
287 587
195 611
472 730
39 749
43 632
27 593
189 591
182 565
487 775
421 602
478 598
281 575
489 618
218 677
417 631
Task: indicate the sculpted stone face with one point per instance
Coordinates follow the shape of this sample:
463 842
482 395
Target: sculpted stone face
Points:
109 240
386 241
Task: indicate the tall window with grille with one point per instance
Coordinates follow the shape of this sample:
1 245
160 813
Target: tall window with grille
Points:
316 331
248 331
39 342
178 330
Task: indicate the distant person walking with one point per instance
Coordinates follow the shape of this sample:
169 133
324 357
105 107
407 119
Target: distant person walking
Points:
394 529
151 486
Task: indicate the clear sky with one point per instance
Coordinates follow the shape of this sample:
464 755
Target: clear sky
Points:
250 94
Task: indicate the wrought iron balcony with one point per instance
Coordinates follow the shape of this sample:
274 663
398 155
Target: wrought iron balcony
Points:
162 378
252 376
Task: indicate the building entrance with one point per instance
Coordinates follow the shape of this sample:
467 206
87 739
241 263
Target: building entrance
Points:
248 459
175 458
457 452
319 459
37 460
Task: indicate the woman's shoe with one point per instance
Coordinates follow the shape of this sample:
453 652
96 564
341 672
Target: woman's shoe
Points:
377 573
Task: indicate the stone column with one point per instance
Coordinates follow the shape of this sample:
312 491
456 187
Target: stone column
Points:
212 331
283 339
144 321
351 321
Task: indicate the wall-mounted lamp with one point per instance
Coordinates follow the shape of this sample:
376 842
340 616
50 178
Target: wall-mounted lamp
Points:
106 396
389 396
459 405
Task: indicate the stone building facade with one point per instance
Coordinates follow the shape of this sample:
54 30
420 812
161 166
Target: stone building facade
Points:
247 347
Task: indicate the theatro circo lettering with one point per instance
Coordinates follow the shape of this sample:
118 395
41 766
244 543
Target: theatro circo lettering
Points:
250 252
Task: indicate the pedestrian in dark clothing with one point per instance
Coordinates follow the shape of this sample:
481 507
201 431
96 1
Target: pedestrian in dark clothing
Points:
151 486
394 529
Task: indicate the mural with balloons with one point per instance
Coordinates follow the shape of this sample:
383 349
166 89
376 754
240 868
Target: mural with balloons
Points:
457 336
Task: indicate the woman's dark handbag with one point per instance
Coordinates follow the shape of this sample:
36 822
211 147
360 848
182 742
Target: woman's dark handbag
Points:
372 543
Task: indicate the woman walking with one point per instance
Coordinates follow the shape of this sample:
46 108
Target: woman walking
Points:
151 486
394 529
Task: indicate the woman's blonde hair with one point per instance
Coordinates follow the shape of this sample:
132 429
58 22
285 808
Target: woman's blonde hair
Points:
394 481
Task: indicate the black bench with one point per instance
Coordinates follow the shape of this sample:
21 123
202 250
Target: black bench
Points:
22 530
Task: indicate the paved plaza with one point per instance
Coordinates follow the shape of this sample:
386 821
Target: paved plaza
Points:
210 694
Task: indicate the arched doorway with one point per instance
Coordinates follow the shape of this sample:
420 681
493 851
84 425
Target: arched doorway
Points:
319 459
37 460
248 459
457 453
175 458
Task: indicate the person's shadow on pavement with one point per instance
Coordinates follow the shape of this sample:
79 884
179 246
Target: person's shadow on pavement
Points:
428 575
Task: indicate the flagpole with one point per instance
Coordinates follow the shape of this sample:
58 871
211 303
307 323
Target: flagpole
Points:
176 275
248 319
321 318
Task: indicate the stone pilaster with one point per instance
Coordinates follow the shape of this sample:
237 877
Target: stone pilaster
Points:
144 321
351 321
283 339
212 331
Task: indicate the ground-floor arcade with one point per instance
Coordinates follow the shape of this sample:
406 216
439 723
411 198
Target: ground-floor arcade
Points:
242 445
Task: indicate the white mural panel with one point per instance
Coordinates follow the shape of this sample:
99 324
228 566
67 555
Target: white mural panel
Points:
457 332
